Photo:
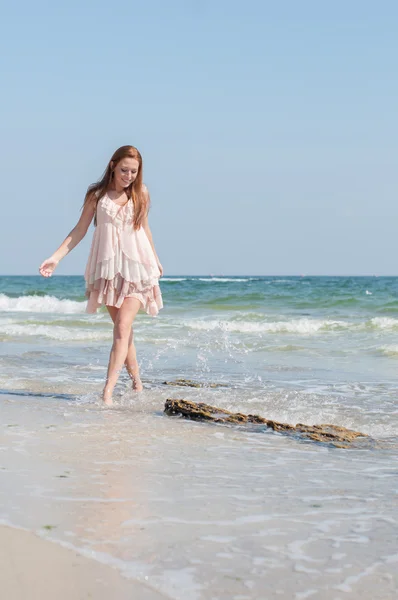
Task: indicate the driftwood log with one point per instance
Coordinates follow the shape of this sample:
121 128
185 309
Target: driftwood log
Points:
333 434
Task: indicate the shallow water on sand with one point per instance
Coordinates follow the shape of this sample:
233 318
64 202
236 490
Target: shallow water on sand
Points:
200 511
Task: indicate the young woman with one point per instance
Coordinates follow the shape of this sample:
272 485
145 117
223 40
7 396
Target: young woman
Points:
123 268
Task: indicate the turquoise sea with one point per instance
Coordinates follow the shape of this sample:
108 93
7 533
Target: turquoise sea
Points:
245 515
304 348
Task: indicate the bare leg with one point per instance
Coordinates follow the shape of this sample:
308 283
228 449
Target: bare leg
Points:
132 365
120 347
131 362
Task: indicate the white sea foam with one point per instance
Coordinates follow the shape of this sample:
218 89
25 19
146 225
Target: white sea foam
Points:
280 281
384 323
389 350
54 332
301 326
209 279
46 304
173 279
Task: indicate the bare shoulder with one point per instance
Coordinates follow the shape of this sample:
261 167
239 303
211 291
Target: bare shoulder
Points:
95 196
146 201
90 202
146 196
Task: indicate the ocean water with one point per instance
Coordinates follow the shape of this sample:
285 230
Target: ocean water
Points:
197 510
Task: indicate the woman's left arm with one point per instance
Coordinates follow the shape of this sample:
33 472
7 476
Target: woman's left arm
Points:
145 226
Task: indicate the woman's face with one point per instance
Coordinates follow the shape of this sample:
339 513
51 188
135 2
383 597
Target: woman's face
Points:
125 172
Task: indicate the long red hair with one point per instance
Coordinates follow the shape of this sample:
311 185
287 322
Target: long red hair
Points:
136 190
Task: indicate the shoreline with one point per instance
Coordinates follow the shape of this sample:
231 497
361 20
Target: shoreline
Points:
139 505
41 569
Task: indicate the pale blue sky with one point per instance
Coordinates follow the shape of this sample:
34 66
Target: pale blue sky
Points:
268 129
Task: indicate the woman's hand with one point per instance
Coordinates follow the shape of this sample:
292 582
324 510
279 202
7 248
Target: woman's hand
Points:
48 267
160 268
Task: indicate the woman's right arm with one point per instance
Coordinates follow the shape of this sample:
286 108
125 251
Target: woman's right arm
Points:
74 237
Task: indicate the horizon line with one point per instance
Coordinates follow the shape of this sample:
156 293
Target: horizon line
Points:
212 275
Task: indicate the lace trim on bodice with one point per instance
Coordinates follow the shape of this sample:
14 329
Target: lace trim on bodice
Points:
124 214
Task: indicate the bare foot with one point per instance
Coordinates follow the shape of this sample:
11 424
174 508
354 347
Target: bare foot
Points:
107 398
137 384
134 374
